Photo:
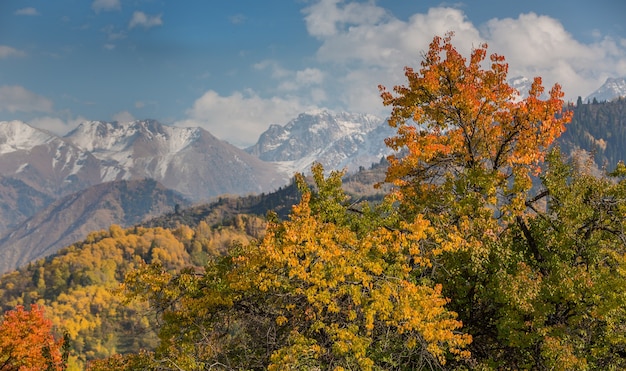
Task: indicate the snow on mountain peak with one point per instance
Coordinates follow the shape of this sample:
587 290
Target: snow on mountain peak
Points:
336 139
17 135
612 88
99 136
145 143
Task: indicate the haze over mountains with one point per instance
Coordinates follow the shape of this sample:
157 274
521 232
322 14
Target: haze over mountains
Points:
54 190
87 172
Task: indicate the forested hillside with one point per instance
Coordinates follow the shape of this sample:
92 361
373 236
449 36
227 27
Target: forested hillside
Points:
80 285
600 128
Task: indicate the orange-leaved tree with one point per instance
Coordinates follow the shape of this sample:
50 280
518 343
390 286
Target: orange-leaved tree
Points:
536 274
464 130
27 342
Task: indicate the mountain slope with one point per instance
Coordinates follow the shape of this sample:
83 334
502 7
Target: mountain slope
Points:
600 129
18 202
73 217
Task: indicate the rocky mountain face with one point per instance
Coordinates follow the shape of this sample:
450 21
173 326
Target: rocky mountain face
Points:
73 217
337 140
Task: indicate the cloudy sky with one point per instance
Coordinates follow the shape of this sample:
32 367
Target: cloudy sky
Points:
235 67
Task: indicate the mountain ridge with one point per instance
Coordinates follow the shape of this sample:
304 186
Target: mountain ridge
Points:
335 139
72 217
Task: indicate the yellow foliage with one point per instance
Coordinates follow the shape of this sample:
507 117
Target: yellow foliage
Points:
331 279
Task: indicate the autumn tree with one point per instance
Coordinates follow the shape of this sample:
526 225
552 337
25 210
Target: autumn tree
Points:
330 288
27 342
534 272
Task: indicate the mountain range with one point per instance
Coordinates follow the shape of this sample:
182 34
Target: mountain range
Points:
56 189
73 217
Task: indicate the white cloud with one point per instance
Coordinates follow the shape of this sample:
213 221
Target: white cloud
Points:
278 71
15 98
237 19
106 5
302 79
144 20
309 76
241 117
109 46
326 18
57 125
392 43
7 51
123 116
363 46
307 82
27 11
537 45
112 33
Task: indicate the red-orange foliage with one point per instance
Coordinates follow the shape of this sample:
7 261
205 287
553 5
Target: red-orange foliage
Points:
27 342
455 116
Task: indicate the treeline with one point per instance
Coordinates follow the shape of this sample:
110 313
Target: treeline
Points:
600 128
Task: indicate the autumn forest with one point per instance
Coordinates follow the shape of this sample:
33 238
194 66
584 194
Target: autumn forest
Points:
488 247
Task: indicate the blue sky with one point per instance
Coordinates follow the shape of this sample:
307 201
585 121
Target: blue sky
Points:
235 67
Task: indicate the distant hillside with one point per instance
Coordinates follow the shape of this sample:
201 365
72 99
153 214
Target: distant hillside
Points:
79 284
71 218
599 128
18 202
223 211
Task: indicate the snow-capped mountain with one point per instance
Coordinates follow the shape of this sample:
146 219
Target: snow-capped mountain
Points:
613 88
521 84
188 160
139 148
43 161
336 140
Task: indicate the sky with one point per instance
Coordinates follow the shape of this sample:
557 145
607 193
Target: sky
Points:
235 67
